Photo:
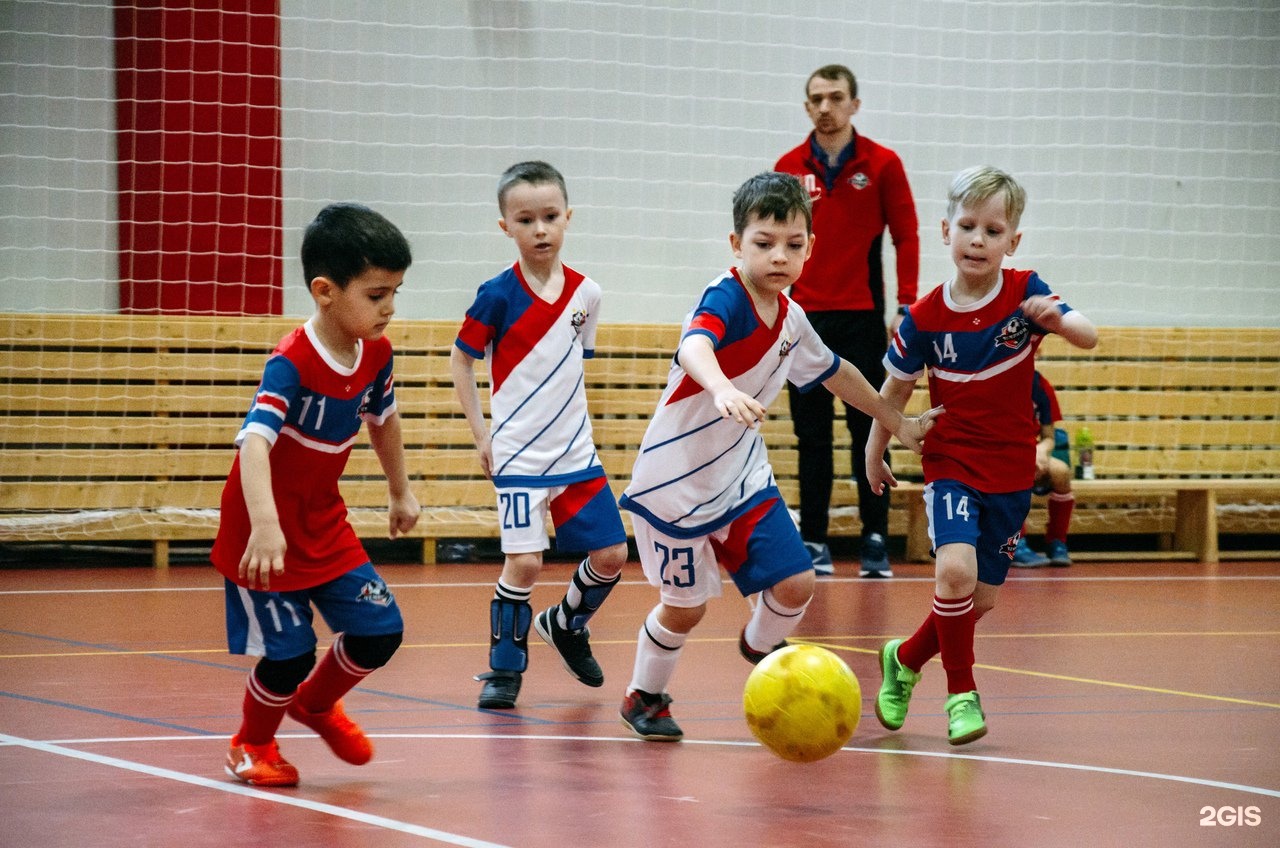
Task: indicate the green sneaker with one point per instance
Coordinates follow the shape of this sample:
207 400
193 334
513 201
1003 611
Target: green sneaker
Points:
965 721
895 687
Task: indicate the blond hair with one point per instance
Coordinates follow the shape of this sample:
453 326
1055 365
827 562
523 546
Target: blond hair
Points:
982 182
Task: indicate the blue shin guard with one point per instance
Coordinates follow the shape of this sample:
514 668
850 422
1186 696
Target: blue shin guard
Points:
592 598
509 634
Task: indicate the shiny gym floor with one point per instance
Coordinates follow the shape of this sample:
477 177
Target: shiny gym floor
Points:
1129 704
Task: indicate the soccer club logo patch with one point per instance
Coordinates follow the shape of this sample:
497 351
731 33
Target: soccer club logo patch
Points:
1013 334
578 318
1010 545
785 347
859 181
376 592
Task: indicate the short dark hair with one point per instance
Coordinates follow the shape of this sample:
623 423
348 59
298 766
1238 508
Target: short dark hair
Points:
771 194
534 173
833 73
345 239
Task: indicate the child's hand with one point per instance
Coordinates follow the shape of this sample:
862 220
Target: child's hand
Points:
740 406
484 449
879 473
403 514
263 556
1043 311
1042 460
912 431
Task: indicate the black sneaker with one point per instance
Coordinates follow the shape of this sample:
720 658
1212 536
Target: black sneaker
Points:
649 718
750 654
500 689
573 648
875 559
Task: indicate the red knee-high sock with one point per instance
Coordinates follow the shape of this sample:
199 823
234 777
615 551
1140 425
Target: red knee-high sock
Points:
955 619
1060 507
262 713
921 646
333 677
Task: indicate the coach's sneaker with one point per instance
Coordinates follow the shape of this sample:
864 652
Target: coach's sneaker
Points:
965 720
820 556
343 736
500 690
1025 557
1058 554
896 684
260 765
875 558
750 654
572 646
649 716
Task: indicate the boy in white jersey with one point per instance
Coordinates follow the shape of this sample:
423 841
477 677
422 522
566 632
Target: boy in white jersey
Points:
536 323
702 490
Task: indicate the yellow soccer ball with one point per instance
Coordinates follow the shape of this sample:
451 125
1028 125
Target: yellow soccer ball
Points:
803 703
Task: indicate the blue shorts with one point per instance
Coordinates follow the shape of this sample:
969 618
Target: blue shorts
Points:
992 524
585 516
278 625
759 549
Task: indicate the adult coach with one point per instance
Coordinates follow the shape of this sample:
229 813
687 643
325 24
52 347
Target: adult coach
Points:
858 188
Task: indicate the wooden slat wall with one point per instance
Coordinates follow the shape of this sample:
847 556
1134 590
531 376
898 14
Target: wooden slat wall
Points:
102 412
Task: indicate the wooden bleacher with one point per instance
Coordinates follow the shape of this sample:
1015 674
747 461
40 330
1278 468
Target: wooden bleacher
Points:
119 428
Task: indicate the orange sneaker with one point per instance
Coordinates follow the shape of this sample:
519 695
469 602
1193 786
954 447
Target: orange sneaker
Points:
260 765
343 736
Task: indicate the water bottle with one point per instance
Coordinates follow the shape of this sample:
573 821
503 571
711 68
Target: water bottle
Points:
1084 454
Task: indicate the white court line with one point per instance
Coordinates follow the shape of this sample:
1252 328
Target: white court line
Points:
490 737
1021 578
249 791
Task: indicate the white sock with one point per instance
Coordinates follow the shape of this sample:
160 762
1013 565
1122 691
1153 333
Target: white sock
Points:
771 622
657 651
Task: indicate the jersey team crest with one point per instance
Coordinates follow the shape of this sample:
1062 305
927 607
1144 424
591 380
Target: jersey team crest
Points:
1014 333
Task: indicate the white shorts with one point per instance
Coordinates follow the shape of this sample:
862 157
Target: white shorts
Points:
686 571
584 514
758 549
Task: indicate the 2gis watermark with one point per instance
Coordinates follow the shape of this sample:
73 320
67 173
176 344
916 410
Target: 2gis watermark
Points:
1230 816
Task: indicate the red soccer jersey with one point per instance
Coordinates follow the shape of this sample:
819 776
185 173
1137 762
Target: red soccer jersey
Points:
980 358
849 219
310 408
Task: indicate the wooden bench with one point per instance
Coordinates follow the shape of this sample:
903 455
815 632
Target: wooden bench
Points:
119 428
1186 423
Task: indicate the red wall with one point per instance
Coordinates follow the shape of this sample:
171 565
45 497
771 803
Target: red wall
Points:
198 150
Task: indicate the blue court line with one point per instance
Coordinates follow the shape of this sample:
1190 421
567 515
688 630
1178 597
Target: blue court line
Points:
107 713
516 719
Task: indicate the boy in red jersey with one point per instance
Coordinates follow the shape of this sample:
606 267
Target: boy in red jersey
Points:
976 337
1053 478
284 544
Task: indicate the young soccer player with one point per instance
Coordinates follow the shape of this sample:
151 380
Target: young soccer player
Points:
536 323
1053 478
284 544
702 491
976 337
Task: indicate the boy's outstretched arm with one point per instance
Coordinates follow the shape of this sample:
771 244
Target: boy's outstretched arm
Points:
850 386
388 443
697 356
463 368
895 393
1074 327
264 553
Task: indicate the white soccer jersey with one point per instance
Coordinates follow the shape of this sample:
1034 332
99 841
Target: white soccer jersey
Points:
696 471
539 425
